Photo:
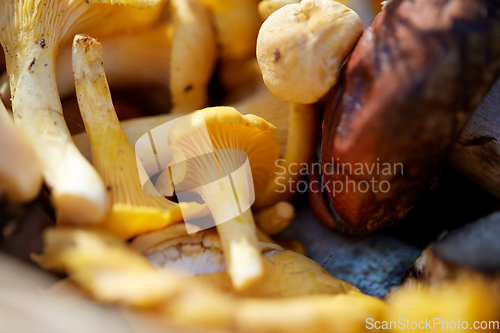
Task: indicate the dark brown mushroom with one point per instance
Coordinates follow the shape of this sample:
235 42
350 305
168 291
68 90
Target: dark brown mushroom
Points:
415 77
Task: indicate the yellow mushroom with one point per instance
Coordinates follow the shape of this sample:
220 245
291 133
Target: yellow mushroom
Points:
144 62
193 55
295 131
301 48
131 60
134 128
237 24
275 219
199 255
31 35
103 266
111 273
20 176
267 7
469 300
132 210
295 127
213 149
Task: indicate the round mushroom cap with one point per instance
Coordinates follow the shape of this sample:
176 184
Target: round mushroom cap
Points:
301 48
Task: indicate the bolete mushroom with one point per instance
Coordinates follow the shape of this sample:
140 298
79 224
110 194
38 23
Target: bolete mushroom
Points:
31 35
411 83
301 48
213 149
132 210
20 176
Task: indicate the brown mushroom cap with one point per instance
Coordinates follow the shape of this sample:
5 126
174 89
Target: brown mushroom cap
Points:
407 91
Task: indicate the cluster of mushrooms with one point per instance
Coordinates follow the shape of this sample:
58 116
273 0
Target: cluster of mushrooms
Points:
118 244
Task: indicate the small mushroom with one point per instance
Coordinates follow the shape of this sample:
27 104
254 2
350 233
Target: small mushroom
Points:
20 176
301 48
276 218
132 210
209 146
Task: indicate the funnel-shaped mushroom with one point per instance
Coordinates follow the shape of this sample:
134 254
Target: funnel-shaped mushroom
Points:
20 176
226 158
132 211
31 34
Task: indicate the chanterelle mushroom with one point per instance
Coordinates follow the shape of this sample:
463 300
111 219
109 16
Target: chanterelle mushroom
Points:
193 55
132 211
31 34
236 24
213 149
288 274
295 131
131 60
301 48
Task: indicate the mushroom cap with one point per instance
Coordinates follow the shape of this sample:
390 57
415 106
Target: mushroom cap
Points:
287 273
301 48
224 128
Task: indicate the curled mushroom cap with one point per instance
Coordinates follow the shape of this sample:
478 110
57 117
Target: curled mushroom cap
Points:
301 48
20 176
132 210
210 147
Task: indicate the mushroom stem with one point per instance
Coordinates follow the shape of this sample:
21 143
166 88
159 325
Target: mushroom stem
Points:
77 191
241 250
275 219
132 211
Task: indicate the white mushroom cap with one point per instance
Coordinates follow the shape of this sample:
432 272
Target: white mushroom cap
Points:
301 48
